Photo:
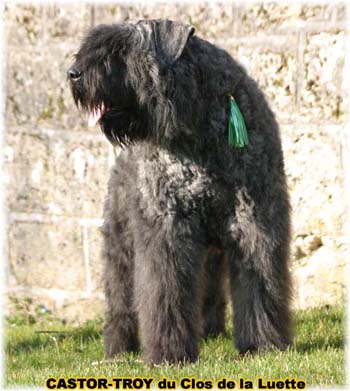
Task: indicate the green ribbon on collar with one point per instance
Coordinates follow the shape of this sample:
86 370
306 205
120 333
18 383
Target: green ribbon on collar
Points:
237 131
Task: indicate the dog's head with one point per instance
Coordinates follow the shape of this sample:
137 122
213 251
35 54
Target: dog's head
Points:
132 79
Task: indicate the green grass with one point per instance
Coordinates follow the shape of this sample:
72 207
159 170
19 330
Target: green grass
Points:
317 355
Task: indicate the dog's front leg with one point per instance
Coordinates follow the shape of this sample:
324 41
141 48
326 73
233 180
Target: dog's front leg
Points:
120 328
168 258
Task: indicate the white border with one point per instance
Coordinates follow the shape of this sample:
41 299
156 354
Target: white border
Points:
3 222
346 163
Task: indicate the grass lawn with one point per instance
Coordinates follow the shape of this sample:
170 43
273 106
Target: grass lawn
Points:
67 351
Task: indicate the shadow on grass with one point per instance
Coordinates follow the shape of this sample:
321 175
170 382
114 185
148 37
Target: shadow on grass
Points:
320 344
319 329
315 329
39 339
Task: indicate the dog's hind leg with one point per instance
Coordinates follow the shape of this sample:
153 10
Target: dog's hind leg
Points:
214 298
260 279
168 262
261 308
120 329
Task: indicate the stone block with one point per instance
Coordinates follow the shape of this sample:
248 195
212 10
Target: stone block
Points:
322 90
95 257
82 310
315 180
319 12
56 173
80 173
67 305
273 64
211 20
267 17
341 9
322 279
23 24
67 21
32 24
47 255
38 93
26 161
306 246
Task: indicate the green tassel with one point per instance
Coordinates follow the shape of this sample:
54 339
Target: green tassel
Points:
237 131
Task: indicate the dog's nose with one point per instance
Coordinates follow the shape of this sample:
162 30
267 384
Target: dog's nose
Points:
74 73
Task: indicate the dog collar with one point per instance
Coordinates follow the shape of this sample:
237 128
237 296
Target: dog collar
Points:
237 130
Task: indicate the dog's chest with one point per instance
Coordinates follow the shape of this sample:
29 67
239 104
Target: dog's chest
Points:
172 184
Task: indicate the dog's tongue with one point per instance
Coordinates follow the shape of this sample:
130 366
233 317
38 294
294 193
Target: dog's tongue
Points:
96 115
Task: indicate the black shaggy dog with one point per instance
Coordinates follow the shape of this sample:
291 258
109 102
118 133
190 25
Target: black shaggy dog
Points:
184 208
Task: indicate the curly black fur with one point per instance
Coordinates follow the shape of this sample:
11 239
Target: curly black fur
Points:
184 209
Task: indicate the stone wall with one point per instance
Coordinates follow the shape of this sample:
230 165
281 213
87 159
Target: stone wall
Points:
56 170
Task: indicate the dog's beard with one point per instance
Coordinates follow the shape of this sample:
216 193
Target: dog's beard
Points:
123 127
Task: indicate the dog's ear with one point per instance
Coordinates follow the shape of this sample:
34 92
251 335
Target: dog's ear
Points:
166 37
